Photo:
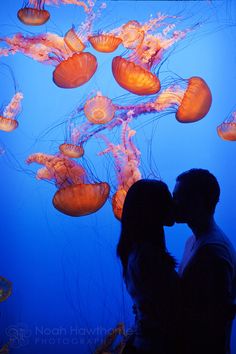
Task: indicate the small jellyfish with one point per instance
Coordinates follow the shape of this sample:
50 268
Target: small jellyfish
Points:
99 109
73 41
75 195
71 150
118 200
105 43
227 129
5 289
8 120
75 71
134 78
33 13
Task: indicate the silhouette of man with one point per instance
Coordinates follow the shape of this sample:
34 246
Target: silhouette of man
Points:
208 267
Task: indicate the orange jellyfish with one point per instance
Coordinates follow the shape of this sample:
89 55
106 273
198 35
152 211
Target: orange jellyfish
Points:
99 109
81 199
71 150
127 160
33 13
196 101
5 289
105 43
75 195
134 78
73 67
73 41
8 120
134 73
227 129
190 103
75 71
118 200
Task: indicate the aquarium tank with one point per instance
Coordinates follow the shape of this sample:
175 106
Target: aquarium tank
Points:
94 96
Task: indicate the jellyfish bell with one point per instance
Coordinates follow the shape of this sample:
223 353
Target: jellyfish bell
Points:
134 78
118 200
196 101
35 15
73 41
8 124
75 71
5 289
227 129
99 109
81 199
105 43
71 150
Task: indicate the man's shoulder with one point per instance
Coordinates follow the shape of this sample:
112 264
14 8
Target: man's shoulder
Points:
217 253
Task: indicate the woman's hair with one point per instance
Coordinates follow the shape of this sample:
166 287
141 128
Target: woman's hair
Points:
147 208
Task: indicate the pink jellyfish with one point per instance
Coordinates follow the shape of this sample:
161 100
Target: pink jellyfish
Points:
8 119
71 150
99 109
75 196
227 129
127 161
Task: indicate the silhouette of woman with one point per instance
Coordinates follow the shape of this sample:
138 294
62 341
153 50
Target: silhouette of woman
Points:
149 270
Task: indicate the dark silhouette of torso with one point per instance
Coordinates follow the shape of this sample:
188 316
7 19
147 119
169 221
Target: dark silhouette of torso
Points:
208 285
154 286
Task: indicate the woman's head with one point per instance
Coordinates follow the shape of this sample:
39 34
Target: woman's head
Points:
148 202
148 207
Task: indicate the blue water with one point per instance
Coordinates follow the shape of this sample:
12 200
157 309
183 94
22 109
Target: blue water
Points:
67 285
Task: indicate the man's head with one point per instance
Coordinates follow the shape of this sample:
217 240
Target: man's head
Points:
196 194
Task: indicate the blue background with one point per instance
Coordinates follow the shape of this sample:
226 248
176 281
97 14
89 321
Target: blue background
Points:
67 284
